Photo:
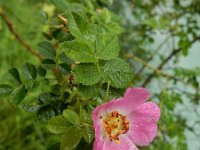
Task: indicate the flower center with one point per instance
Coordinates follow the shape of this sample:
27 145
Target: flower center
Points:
115 124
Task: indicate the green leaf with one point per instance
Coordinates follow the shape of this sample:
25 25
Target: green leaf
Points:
31 84
108 2
48 64
43 17
71 139
64 68
107 46
87 133
78 25
29 71
41 71
5 90
71 116
47 50
19 94
61 4
45 113
78 51
58 125
15 73
88 91
65 59
56 89
117 72
55 146
86 74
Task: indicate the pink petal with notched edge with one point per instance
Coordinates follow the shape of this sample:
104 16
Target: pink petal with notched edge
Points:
136 96
132 99
143 124
125 144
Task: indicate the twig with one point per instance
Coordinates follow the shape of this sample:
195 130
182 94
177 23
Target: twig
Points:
17 36
158 71
152 56
173 53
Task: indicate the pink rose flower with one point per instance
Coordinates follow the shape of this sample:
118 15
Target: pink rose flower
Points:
127 122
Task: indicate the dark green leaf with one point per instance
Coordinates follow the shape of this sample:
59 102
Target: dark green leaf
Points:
48 64
71 139
86 74
45 113
19 94
117 72
58 125
64 68
56 89
55 146
47 50
71 116
5 90
41 71
29 71
88 91
15 73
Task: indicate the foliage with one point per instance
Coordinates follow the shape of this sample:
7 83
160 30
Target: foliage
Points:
84 63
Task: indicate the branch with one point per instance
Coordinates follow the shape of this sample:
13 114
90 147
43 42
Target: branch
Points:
152 56
173 53
158 71
17 36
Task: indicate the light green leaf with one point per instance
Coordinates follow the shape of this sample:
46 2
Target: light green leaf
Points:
78 51
71 138
86 74
117 72
107 46
47 50
78 25
29 71
86 130
87 133
58 125
71 116
5 90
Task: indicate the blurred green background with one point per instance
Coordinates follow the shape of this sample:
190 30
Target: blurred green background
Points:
149 25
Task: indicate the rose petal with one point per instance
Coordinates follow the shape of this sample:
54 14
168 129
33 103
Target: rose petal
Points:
98 144
136 96
125 144
143 124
